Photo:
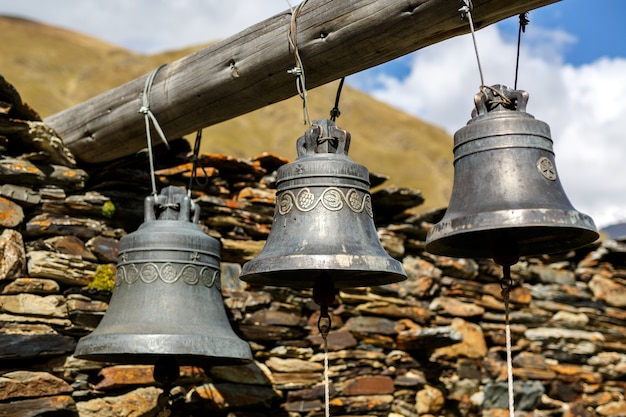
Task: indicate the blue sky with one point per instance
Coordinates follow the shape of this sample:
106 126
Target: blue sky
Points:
573 64
598 27
594 32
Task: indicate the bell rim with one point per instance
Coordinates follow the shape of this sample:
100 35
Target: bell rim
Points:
307 268
148 348
576 230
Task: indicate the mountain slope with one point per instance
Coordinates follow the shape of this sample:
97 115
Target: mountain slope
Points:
54 69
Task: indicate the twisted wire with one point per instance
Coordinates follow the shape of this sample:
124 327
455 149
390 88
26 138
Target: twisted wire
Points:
150 117
466 12
195 159
298 70
523 22
334 112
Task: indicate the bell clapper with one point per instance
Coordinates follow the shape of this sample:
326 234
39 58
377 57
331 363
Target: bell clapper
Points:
166 371
324 295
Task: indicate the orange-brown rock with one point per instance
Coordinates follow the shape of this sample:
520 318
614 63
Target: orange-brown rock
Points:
32 286
362 404
456 308
473 344
120 376
60 405
27 384
222 396
11 214
608 290
336 340
13 259
575 373
616 408
429 400
142 401
517 295
367 385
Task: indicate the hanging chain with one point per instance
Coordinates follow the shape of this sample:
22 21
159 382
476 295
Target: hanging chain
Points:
149 116
466 12
334 112
506 284
523 22
298 70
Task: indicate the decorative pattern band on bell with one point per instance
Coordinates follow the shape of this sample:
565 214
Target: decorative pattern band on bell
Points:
323 222
507 198
166 301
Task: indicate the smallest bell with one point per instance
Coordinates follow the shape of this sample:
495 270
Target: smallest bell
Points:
323 228
507 200
166 308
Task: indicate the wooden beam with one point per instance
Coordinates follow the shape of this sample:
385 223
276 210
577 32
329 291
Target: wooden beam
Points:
249 70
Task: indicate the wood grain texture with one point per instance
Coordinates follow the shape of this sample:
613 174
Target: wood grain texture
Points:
249 70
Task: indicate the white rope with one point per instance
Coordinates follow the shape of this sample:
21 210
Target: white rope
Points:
149 116
506 290
298 70
326 381
466 11
509 356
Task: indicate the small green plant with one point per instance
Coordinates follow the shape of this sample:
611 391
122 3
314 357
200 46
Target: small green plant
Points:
108 209
103 279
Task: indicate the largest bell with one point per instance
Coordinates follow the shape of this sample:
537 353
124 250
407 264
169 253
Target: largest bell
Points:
507 199
323 226
166 301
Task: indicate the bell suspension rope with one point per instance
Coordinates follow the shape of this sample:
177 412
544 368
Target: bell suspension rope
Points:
149 116
523 22
298 69
506 285
466 12
324 295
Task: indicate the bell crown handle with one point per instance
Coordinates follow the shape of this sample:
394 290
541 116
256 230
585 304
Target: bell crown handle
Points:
323 137
172 204
499 98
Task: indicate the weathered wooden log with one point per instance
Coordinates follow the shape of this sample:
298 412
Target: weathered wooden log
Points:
250 70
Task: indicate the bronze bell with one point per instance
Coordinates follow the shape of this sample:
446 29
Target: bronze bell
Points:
506 199
323 224
166 306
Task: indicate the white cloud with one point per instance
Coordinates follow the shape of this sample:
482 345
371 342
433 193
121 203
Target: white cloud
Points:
584 106
150 26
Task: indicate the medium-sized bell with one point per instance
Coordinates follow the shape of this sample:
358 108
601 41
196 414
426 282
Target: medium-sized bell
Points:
323 226
507 200
166 307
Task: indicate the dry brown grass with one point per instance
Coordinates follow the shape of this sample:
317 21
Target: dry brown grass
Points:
54 69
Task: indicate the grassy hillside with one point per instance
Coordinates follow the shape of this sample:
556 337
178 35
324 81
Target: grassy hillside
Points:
54 69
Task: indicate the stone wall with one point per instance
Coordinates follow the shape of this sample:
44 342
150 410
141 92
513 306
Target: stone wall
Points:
432 345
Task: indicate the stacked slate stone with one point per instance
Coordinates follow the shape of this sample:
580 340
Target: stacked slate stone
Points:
433 345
